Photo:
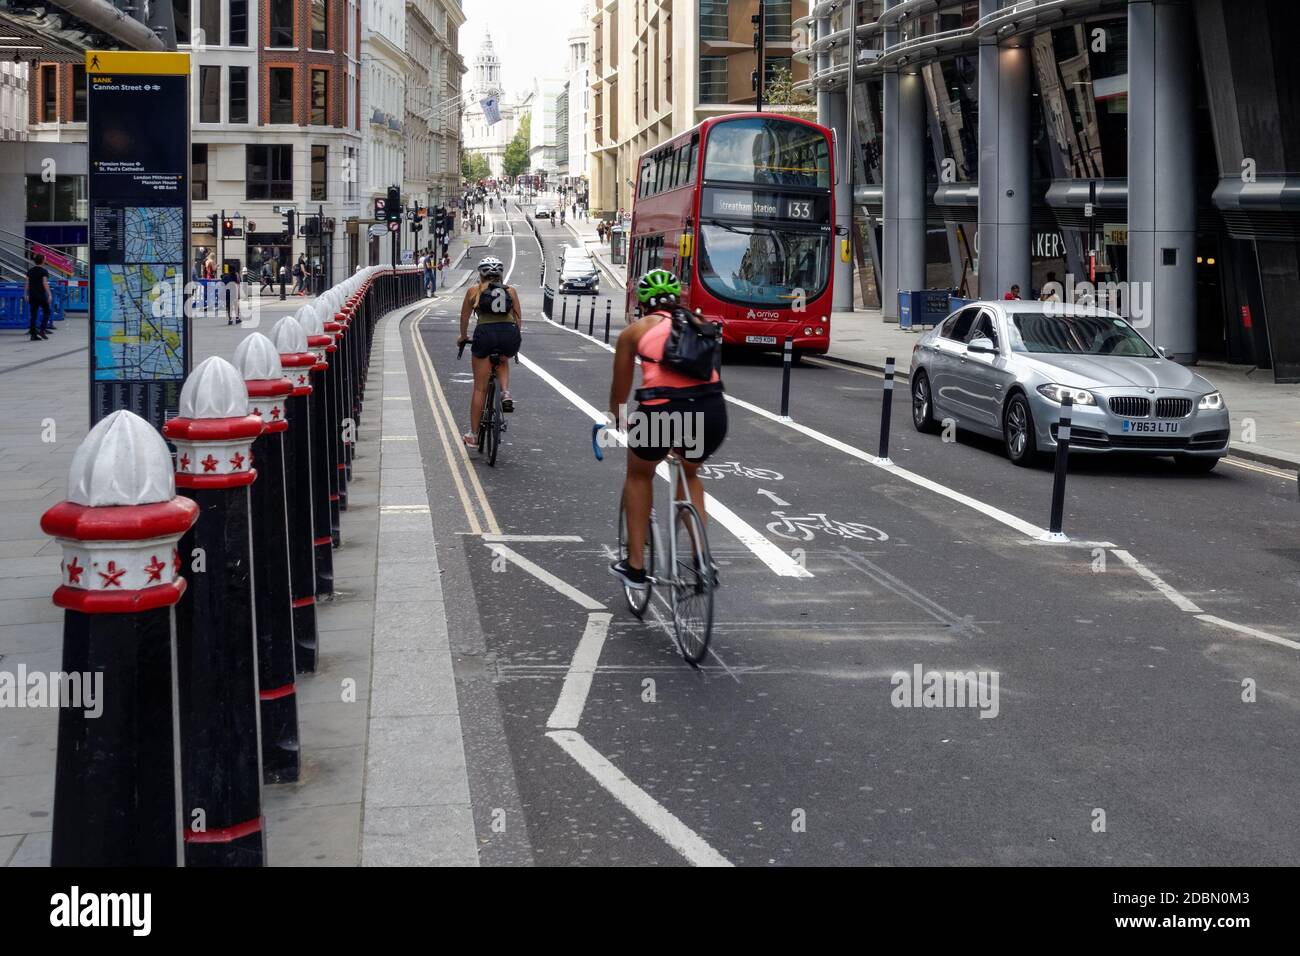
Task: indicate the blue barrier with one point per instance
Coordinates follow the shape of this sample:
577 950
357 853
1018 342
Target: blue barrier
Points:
956 302
922 307
13 304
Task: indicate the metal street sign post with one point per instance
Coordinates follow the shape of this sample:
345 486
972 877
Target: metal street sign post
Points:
139 162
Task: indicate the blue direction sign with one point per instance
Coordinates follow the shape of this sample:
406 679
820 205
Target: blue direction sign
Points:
139 156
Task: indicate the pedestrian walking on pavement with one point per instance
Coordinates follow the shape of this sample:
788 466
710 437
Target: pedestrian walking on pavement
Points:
38 299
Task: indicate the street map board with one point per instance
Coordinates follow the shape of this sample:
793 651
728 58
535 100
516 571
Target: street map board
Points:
139 146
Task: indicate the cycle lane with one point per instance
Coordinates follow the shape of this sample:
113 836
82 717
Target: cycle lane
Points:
711 749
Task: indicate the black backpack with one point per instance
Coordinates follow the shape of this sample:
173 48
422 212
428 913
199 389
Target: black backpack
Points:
694 346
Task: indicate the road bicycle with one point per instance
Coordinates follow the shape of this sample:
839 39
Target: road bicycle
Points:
804 528
688 576
493 420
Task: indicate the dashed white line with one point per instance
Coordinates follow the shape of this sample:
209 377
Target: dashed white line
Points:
547 578
577 681
645 807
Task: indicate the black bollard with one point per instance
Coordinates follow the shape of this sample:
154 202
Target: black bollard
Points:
787 359
115 782
1062 467
607 308
564 310
323 453
886 406
591 319
338 414
291 342
268 390
221 751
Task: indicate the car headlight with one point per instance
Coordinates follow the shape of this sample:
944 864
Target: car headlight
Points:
1211 402
1057 393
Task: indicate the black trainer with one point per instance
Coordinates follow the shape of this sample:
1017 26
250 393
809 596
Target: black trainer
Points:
631 577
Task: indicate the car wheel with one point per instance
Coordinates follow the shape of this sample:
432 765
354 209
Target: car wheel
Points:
1018 432
1195 464
922 406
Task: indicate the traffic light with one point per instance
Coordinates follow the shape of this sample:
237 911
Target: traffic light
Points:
216 227
416 220
290 222
227 228
760 36
394 205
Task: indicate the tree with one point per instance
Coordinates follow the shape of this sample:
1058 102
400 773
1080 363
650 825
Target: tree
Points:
473 166
515 161
779 89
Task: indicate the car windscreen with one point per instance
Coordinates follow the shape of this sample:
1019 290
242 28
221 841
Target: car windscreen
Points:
755 265
1076 335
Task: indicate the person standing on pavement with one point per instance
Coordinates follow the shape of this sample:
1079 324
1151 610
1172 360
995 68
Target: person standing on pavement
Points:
230 292
430 276
38 299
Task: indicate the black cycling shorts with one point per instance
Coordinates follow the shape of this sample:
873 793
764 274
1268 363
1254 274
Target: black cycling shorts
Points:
694 426
492 337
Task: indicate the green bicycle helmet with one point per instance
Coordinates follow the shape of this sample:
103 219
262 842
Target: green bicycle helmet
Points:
658 284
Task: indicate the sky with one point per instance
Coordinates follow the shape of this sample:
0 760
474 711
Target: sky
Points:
530 37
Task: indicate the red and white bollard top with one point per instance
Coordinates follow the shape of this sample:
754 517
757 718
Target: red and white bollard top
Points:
295 357
318 340
268 388
121 522
214 433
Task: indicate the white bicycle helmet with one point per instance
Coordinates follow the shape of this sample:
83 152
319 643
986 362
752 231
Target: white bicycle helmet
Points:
491 266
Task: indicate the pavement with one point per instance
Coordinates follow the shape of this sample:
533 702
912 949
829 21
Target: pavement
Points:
374 787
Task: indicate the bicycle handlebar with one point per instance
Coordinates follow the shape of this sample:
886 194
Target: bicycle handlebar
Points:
461 351
595 445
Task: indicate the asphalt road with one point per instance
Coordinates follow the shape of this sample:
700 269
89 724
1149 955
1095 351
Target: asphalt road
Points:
1118 733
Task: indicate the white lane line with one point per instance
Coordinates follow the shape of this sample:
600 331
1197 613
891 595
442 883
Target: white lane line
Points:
532 537
781 563
1249 631
547 578
997 514
1156 581
645 807
577 682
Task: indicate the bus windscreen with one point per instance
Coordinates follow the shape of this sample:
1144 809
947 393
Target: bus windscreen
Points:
767 152
756 265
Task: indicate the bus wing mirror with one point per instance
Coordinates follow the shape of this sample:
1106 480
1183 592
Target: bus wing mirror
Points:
835 152
841 230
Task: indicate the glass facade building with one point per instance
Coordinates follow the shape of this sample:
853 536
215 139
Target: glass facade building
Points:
1146 150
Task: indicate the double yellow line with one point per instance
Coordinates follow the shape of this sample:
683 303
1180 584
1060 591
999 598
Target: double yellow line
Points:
472 497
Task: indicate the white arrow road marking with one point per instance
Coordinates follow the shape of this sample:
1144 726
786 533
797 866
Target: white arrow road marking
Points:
779 502
577 682
646 808
776 559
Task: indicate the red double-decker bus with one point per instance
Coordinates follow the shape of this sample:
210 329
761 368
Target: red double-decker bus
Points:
742 209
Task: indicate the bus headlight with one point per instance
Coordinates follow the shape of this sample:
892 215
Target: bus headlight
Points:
820 330
807 330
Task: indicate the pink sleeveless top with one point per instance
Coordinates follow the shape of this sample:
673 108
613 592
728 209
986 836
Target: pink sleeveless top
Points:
653 373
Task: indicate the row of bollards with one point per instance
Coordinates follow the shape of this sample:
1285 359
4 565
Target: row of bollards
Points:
191 586
577 314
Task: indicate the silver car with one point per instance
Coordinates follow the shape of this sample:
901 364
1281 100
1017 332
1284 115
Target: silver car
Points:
1002 369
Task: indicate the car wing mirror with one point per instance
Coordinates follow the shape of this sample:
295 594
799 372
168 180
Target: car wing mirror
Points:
982 345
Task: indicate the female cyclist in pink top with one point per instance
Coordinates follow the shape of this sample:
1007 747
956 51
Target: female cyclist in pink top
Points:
674 413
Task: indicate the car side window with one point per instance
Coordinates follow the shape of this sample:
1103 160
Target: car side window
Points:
957 327
984 328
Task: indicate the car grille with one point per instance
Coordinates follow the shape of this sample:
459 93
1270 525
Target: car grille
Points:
1173 407
1130 406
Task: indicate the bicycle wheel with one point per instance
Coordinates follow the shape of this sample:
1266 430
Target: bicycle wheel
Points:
483 418
692 585
494 426
637 601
